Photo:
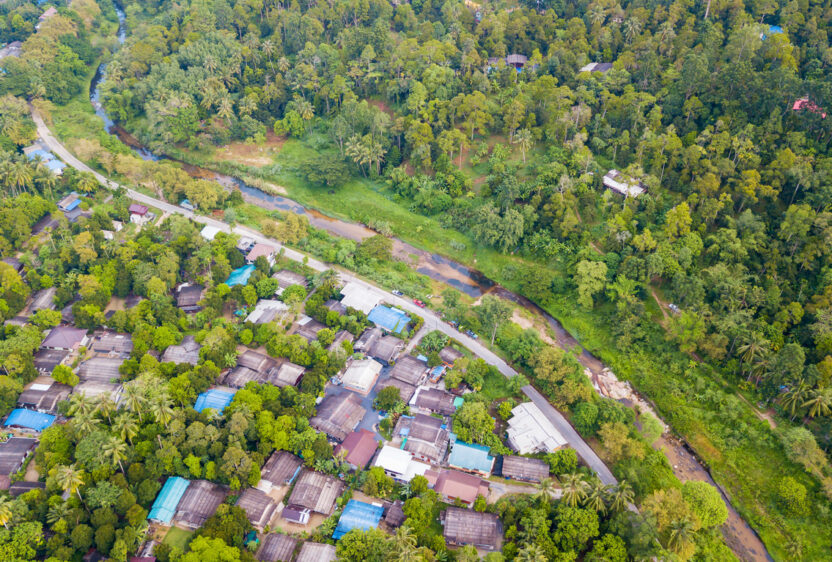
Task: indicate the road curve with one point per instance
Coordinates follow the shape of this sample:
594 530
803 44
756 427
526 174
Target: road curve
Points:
432 320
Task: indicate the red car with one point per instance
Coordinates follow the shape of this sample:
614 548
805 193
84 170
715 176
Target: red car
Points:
418 303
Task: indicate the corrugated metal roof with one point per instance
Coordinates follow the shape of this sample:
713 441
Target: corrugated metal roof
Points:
391 319
165 505
29 419
471 457
213 398
358 515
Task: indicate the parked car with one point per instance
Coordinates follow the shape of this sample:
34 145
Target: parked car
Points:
418 303
397 292
471 334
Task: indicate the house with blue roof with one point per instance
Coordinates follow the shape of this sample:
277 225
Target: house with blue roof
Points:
215 399
36 152
164 507
471 458
29 419
389 318
358 515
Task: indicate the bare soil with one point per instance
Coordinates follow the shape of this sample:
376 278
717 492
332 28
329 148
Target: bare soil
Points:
252 154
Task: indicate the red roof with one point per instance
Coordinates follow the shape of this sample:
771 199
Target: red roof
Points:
260 250
136 209
808 105
358 448
455 484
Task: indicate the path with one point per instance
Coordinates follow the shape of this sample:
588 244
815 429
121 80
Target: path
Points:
432 320
660 302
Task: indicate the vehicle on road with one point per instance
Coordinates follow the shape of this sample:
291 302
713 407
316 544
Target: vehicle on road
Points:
471 334
397 292
418 303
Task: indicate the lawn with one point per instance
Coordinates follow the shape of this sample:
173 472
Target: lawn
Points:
177 537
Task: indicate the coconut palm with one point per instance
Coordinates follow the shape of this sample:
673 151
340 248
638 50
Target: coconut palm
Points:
405 544
632 27
70 479
226 109
531 553
133 397
5 510
57 513
794 398
80 404
753 347
161 408
596 497
545 489
116 450
681 535
126 427
523 139
85 423
105 406
621 496
574 488
819 402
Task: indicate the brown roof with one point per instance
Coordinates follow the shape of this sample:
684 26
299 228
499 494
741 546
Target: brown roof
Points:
258 506
44 399
339 339
105 341
239 376
288 374
408 369
13 452
358 448
464 526
20 487
406 391
517 59
426 438
260 250
316 491
395 514
100 369
435 400
277 548
185 352
385 348
188 296
64 337
137 209
280 468
454 484
338 415
255 361
524 468
309 330
43 300
316 552
450 354
199 502
285 278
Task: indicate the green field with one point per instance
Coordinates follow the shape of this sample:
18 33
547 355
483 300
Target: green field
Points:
177 537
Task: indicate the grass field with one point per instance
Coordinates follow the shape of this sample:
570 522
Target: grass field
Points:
177 537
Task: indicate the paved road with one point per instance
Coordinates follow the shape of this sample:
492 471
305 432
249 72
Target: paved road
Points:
432 320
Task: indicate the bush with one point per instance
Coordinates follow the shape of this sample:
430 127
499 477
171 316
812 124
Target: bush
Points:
792 496
562 462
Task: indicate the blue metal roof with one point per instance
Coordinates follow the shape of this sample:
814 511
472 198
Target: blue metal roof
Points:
29 419
391 319
214 398
358 515
468 456
165 505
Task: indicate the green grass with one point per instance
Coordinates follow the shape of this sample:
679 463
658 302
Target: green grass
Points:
178 537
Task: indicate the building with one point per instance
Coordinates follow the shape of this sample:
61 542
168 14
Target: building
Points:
164 506
359 297
358 515
338 415
805 104
65 338
188 297
386 349
21 487
43 395
530 431
341 337
517 61
524 469
471 458
399 464
623 184
277 548
316 552
466 527
262 251
453 485
29 419
294 514
425 437
245 244
209 232
215 399
13 49
409 369
43 300
100 369
267 310
139 214
279 470
601 67
316 492
336 306
394 516
287 374
199 502
435 401
367 339
286 278
111 343
92 389
259 507
185 352
37 152
406 391
251 367
308 328
47 15
69 202
450 354
388 318
361 375
13 453
358 448
45 360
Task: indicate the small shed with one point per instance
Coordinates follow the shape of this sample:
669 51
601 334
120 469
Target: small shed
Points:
316 552
525 469
287 374
600 67
385 349
467 527
258 506
188 297
517 61
358 515
450 354
308 328
21 487
338 415
394 516
286 278
340 338
623 184
199 502
277 548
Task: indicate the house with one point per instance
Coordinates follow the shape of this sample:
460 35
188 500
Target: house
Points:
188 297
111 343
43 395
338 415
308 328
316 492
259 507
517 61
245 244
435 401
466 527
336 306
530 431
46 222
406 391
38 152
13 453
280 469
100 369
43 300
164 506
286 278
361 375
524 469
453 485
251 367
358 448
45 360
199 502
367 339
287 374
91 389
425 437
69 202
75 214
277 548
408 369
359 297
471 458
185 352
13 49
385 349
394 516
29 419
20 487
139 214
601 67
449 355
399 464
623 184
298 515
389 318
358 515
805 104
267 310
341 337
316 552
65 338
262 251
47 15
209 232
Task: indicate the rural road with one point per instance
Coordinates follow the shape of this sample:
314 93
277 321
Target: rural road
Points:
432 320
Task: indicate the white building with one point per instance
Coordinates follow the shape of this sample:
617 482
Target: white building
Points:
361 376
359 297
399 464
530 431
267 310
210 232
623 184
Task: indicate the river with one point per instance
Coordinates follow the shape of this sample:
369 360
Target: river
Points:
739 536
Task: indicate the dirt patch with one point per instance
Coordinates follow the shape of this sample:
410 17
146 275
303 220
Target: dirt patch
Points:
31 473
252 154
116 303
527 323
767 416
382 106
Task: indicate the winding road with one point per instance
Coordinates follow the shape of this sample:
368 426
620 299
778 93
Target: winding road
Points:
432 320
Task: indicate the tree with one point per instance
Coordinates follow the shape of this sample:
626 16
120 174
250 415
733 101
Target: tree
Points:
5 510
792 495
609 548
493 311
590 277
574 488
621 497
70 479
363 546
706 502
64 375
116 450
473 423
524 140
204 549
376 247
387 398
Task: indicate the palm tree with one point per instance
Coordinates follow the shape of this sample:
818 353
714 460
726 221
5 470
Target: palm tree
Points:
56 513
523 139
162 410
19 177
545 489
5 510
405 544
226 109
531 553
596 499
596 14
80 404
116 450
85 424
574 488
133 397
752 348
632 27
681 535
70 479
105 406
621 497
820 402
126 427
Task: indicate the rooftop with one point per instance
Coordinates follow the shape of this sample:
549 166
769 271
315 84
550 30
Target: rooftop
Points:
386 348
464 526
64 337
408 369
100 369
367 339
13 452
358 515
277 548
43 394
471 457
359 297
288 374
286 278
29 419
185 352
450 354
529 431
602 67
267 310
389 318
215 399
137 209
260 250
281 468
210 232
105 341
258 505
393 460
406 391
316 491
623 184
395 516
358 448
308 329
524 468
91 389
466 487
164 507
188 297
316 552
338 415
361 375
43 300
199 502
435 400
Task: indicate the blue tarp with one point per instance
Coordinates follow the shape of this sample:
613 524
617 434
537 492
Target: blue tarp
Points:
165 505
216 399
358 515
471 457
772 30
437 371
30 419
391 319
240 275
